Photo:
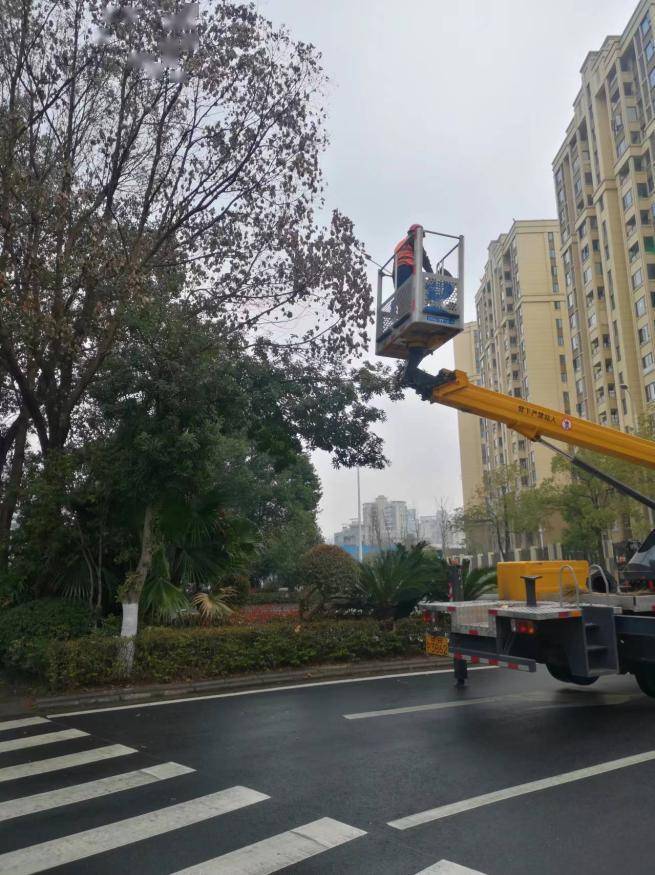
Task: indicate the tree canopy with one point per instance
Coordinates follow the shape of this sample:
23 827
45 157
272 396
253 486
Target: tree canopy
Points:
179 327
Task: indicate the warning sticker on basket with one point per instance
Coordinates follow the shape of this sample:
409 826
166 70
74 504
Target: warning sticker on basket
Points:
567 425
436 645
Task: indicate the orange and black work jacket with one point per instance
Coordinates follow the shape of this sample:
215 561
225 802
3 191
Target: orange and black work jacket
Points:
404 254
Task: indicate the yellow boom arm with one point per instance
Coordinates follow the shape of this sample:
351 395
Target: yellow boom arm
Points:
454 389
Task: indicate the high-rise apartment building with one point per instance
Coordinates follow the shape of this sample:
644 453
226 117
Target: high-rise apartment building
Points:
524 345
604 184
470 428
386 523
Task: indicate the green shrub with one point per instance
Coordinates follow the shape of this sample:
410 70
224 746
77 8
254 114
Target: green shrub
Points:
240 583
168 654
326 572
271 598
47 618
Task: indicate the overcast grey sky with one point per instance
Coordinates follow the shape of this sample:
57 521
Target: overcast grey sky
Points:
448 114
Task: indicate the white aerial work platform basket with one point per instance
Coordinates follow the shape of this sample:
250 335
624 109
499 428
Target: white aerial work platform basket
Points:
426 310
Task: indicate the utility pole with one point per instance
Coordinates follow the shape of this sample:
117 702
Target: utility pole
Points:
360 543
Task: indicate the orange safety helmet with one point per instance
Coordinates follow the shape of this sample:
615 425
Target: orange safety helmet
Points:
413 228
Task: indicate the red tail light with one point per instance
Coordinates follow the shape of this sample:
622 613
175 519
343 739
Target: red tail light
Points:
523 627
427 617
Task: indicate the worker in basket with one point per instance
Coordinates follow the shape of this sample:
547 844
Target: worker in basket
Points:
403 268
437 291
403 264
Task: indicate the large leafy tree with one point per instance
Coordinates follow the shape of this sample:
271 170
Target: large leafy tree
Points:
196 182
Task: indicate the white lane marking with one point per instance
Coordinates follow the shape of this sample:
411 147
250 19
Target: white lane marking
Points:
279 851
38 740
519 790
380 677
548 698
445 867
24 721
433 706
90 790
67 761
82 845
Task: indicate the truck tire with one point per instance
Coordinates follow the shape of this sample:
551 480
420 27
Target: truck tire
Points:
645 678
563 674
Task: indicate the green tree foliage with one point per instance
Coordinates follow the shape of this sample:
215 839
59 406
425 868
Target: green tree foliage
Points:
504 509
589 507
152 231
495 505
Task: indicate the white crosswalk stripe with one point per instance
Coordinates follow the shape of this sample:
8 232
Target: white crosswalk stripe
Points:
24 721
67 761
80 846
445 867
37 740
90 790
279 851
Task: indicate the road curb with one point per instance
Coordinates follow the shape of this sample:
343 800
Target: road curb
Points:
131 695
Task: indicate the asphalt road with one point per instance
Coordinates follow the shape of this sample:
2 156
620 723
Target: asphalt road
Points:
338 778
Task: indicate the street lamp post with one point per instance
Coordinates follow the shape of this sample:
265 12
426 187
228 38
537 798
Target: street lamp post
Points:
360 543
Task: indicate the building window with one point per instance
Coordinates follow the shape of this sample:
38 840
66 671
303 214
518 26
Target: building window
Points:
648 362
591 320
640 307
645 24
586 275
579 386
644 335
642 189
627 200
637 279
650 392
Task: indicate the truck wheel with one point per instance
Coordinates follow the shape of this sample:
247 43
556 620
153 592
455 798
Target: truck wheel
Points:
645 677
563 674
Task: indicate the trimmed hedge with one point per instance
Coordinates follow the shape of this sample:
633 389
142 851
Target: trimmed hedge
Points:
43 619
164 654
261 597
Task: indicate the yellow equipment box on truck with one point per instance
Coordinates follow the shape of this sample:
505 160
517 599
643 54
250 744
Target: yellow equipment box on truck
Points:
511 587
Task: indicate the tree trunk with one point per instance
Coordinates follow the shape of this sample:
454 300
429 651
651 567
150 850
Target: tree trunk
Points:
10 497
132 593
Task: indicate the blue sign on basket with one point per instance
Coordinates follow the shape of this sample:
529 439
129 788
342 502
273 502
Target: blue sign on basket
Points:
438 290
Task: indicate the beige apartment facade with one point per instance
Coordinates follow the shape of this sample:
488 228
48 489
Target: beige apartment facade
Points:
605 192
469 427
524 339
519 345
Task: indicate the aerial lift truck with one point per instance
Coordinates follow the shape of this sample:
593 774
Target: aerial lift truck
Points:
572 618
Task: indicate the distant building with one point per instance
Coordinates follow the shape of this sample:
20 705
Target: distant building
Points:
388 522
428 530
348 536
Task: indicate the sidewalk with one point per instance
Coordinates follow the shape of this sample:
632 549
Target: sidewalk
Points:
14 701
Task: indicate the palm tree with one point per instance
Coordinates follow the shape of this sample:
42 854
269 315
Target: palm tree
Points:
393 582
477 582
